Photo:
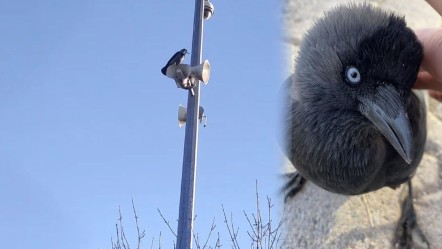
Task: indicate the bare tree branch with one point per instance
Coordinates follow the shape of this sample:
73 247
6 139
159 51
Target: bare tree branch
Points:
233 235
263 233
167 223
210 233
140 235
151 244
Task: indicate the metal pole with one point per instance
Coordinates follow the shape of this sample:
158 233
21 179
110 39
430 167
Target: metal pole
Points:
185 219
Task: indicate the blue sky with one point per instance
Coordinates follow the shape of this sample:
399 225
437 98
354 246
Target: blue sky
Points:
88 121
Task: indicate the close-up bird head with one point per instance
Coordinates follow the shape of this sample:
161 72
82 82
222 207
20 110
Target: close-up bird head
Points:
349 99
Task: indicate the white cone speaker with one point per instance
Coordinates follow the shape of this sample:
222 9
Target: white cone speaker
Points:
182 113
181 72
202 72
178 72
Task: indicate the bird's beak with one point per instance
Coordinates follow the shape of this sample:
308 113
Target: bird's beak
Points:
386 111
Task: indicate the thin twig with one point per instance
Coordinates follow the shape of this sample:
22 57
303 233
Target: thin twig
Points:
151 244
269 207
196 240
258 220
159 241
167 223
140 235
231 231
210 232
218 242
125 243
251 226
277 234
117 245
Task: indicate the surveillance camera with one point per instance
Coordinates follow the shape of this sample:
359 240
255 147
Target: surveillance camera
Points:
208 9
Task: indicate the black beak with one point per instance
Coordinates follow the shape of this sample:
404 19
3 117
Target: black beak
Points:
387 112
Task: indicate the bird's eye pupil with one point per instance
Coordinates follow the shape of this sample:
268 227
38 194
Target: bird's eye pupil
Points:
352 75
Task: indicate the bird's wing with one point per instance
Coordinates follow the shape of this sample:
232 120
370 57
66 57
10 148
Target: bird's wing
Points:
173 59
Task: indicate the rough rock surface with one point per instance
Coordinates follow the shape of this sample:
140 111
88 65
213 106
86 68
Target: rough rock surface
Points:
316 218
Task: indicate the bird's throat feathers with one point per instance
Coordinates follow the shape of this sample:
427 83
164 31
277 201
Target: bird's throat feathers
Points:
336 145
336 132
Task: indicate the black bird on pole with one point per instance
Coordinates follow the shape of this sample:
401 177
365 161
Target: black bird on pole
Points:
354 124
176 59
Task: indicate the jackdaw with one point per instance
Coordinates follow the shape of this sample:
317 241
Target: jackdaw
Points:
354 124
176 59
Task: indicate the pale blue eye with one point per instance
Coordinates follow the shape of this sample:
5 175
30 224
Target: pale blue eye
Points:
352 74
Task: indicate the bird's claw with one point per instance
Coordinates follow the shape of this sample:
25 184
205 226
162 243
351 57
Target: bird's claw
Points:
294 185
408 234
